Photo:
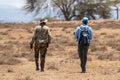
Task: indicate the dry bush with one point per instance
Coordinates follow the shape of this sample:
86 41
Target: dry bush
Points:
105 56
71 42
10 42
109 56
31 57
74 56
115 44
64 29
93 48
52 46
10 70
56 44
8 59
7 48
23 46
118 48
50 53
110 36
97 47
3 33
24 78
28 55
118 70
89 58
103 33
7 26
1 38
20 55
67 62
97 25
98 44
65 41
94 44
102 57
13 38
29 29
102 48
52 66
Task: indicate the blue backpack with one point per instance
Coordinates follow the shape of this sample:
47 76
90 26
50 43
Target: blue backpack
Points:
84 40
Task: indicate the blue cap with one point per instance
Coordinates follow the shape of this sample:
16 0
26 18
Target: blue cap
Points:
84 19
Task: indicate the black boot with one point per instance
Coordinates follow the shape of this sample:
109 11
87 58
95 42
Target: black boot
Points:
42 67
37 69
83 70
37 66
36 61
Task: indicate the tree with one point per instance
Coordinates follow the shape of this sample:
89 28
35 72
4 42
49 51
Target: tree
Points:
88 8
34 5
67 7
115 4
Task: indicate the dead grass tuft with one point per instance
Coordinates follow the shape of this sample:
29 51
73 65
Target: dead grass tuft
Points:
115 44
74 56
118 71
10 70
52 66
24 78
8 60
103 33
29 56
3 33
110 57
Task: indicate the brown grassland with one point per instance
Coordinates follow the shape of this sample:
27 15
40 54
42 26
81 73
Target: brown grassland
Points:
62 62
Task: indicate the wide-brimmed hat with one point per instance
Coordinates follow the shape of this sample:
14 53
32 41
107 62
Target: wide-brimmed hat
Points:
43 20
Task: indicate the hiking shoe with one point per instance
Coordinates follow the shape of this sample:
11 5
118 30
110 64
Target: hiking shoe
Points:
42 70
83 72
37 69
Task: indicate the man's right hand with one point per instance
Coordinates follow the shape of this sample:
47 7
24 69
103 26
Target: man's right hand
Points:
31 46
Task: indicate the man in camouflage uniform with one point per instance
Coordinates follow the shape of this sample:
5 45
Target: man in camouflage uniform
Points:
41 38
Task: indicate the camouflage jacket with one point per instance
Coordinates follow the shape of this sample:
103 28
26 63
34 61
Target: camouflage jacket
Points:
41 35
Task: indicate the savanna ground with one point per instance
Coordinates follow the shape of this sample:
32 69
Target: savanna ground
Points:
62 62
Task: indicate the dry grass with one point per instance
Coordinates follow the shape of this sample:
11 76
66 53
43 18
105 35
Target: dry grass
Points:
104 37
96 45
62 54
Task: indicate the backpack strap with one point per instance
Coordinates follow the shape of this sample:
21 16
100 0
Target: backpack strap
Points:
87 28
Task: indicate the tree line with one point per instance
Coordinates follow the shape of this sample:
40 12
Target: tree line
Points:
76 8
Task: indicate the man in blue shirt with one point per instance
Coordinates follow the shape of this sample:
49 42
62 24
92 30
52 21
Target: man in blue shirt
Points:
83 34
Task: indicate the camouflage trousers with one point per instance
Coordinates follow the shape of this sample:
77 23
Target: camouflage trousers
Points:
82 52
40 50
